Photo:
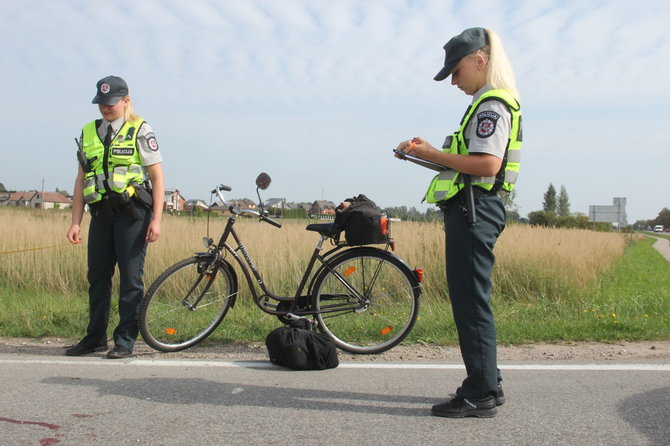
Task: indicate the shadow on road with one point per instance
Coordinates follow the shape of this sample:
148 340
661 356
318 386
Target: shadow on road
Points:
200 391
648 413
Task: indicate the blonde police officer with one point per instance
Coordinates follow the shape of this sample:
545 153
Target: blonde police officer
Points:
485 152
117 155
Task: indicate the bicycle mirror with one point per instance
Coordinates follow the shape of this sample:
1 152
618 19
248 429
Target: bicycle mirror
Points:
263 181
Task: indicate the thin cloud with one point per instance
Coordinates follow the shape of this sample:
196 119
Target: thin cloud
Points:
305 85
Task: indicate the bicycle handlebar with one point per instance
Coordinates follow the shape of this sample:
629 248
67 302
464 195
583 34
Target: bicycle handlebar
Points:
262 217
271 221
217 190
221 187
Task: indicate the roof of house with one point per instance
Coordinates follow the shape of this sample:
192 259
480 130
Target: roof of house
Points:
323 204
49 197
275 202
22 195
55 197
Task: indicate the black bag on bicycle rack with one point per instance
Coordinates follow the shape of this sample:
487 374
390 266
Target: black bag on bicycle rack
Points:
299 348
362 221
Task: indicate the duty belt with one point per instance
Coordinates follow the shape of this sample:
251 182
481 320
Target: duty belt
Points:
458 200
112 204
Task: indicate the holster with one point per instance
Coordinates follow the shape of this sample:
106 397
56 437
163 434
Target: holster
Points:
143 196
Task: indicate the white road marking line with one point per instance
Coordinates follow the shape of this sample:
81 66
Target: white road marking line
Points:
652 367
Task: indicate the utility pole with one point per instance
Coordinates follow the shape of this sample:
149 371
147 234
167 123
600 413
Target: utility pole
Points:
42 195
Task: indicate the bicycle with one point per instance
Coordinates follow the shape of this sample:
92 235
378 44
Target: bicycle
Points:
364 297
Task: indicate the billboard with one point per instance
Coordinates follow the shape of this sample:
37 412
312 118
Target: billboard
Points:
610 214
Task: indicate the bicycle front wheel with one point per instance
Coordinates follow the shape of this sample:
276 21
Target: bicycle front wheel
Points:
367 300
185 304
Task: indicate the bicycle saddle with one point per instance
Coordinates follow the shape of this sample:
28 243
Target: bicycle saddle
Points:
327 229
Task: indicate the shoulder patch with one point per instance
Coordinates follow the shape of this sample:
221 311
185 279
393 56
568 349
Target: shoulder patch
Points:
486 123
151 141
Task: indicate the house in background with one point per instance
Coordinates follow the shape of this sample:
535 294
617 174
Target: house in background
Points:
4 196
35 199
322 209
21 198
277 206
218 209
278 203
173 201
305 206
329 213
195 205
54 200
244 203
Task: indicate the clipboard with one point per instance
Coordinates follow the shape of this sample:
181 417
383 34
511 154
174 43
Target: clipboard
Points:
470 198
420 162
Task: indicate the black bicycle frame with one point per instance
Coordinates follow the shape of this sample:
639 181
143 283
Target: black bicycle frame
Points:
248 265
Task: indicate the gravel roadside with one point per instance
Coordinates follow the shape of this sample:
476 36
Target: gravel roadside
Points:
577 351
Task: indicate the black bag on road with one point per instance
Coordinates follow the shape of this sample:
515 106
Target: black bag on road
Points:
299 348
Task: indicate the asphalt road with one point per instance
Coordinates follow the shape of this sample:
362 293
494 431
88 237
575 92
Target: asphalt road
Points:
46 400
662 245
82 401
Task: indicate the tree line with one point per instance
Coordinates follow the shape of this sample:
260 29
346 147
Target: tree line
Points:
663 219
556 213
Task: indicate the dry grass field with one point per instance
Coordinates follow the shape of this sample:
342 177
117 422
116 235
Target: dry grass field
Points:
549 284
532 262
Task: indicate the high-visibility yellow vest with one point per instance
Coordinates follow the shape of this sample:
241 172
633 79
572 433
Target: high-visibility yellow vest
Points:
113 168
449 182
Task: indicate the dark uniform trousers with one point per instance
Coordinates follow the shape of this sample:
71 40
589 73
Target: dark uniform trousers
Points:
116 239
470 262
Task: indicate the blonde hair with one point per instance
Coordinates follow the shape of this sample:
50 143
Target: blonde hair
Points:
499 72
128 113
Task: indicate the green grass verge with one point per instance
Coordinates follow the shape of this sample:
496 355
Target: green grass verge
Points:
631 302
664 235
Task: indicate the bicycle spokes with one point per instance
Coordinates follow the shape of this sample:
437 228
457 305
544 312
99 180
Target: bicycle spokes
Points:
185 304
366 300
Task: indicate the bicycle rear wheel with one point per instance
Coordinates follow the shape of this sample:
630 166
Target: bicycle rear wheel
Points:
367 301
185 304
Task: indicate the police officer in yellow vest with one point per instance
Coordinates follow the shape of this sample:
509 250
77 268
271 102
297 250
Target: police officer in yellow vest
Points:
481 160
120 178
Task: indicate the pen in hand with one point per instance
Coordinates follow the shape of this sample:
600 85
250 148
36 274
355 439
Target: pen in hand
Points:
401 153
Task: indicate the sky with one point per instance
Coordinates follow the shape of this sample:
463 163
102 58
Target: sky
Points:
317 93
